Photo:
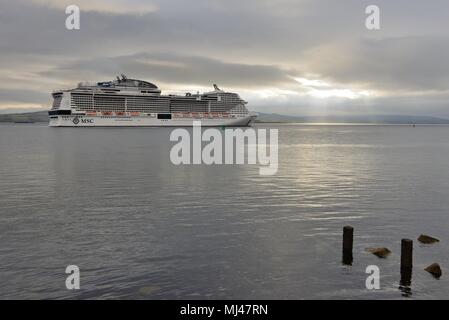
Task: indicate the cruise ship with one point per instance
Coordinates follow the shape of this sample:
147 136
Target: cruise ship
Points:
132 102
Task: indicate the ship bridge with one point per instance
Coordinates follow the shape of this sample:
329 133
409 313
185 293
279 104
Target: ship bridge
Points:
130 84
125 82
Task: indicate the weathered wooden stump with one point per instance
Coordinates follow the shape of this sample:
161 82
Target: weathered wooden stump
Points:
348 240
406 254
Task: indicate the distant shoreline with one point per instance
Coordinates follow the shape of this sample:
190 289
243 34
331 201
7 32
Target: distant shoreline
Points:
287 123
278 119
353 123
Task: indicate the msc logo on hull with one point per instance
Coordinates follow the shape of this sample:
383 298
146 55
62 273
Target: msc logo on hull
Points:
77 120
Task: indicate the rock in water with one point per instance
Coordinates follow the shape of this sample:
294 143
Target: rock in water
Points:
379 252
427 239
434 269
146 291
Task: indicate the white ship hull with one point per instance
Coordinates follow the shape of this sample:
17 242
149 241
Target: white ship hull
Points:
97 121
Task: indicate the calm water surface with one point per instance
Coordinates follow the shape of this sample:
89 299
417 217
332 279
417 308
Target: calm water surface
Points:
110 201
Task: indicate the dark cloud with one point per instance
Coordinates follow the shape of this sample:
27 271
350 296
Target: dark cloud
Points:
177 68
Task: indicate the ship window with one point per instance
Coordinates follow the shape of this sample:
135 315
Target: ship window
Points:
164 115
60 112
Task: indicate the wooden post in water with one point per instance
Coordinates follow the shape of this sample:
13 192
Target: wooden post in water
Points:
406 267
348 240
406 254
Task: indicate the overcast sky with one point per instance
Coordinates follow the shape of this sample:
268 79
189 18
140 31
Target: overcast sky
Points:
299 57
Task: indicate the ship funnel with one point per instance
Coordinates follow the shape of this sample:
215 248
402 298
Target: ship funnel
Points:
216 87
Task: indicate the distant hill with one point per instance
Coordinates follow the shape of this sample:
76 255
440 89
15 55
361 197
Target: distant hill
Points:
372 119
42 116
39 116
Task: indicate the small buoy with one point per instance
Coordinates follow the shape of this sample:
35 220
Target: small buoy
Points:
427 239
434 269
379 252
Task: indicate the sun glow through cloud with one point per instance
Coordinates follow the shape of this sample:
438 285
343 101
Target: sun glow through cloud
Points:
339 93
321 89
312 83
